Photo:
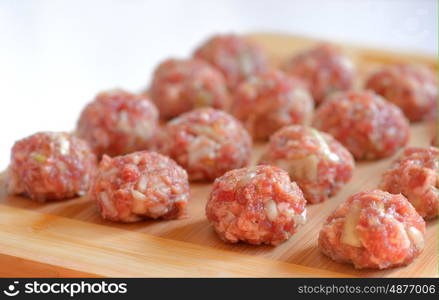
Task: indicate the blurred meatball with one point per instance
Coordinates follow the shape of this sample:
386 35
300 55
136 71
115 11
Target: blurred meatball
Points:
270 101
367 125
206 142
411 87
118 122
235 56
324 69
179 86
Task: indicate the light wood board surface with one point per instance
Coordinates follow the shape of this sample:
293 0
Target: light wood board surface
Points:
69 238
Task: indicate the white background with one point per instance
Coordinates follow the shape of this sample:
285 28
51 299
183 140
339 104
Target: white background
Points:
56 55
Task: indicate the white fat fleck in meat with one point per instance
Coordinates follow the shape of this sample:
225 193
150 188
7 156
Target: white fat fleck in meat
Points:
205 116
271 210
345 63
298 93
350 234
144 129
108 204
159 185
402 236
123 123
157 210
138 202
228 127
143 181
136 159
299 219
247 178
181 197
110 172
416 237
201 148
326 150
379 206
305 168
64 145
208 132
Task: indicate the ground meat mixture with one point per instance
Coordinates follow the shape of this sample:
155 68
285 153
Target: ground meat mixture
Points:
314 160
257 205
179 86
206 142
367 125
235 56
375 230
51 166
270 101
324 69
118 122
411 87
138 186
415 175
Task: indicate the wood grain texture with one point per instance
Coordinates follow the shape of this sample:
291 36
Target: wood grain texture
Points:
12 266
71 236
96 249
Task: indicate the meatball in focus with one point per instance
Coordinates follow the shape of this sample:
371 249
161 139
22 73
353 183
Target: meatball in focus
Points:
367 125
179 86
138 186
206 142
257 205
324 69
118 122
51 166
374 230
314 160
270 101
415 175
413 88
235 56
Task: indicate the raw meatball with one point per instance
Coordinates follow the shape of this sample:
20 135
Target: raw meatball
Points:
236 57
206 142
411 87
270 101
258 205
140 185
118 122
367 125
51 166
375 230
415 175
182 85
324 68
315 161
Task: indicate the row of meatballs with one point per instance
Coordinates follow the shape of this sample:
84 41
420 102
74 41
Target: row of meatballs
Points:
263 204
257 205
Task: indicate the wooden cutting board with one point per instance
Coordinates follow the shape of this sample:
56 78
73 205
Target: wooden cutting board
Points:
70 239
